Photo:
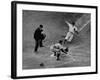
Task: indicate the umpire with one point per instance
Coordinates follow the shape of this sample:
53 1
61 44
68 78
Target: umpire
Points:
39 37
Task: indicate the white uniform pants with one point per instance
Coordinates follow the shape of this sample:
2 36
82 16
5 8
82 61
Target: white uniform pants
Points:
69 36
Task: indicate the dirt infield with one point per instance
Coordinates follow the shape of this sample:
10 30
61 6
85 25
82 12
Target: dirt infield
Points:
79 49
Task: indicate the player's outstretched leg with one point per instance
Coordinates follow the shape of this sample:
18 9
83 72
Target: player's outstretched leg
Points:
70 39
67 37
58 56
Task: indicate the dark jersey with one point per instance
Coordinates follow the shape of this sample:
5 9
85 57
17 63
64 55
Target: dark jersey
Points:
37 33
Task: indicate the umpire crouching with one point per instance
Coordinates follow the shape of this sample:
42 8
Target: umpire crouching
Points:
39 37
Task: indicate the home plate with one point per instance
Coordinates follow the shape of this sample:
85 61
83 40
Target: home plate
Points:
52 55
64 59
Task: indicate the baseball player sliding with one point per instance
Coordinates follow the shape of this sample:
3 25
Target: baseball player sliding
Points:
58 49
72 30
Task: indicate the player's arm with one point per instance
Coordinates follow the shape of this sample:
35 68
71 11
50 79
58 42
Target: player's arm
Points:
41 30
61 48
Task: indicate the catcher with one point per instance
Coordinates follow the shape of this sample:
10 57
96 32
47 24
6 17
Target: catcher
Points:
58 49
